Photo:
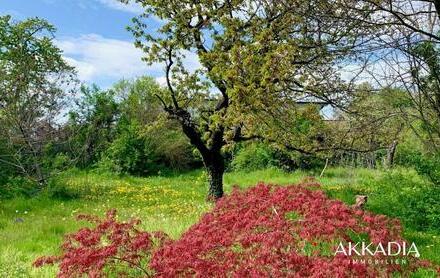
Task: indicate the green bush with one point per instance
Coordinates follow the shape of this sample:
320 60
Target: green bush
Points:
18 186
257 156
6 168
403 193
56 189
175 151
425 164
141 152
400 192
308 162
133 154
54 163
254 156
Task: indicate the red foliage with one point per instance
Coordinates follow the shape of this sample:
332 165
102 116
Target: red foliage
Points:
106 248
248 233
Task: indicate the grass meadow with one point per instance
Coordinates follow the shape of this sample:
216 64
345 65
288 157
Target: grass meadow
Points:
32 227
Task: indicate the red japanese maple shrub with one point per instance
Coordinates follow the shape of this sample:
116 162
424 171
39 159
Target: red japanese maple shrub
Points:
109 247
265 231
274 231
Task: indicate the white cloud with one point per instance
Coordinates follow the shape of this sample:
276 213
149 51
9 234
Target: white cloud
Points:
98 58
161 80
86 71
131 7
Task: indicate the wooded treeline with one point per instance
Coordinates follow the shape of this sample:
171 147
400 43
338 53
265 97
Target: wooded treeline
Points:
244 108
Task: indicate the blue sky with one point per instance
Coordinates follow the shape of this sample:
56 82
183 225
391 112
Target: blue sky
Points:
93 36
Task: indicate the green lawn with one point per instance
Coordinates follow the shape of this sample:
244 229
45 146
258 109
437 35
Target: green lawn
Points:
31 227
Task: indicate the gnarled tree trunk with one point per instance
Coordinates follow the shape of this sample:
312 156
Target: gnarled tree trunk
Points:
211 155
215 167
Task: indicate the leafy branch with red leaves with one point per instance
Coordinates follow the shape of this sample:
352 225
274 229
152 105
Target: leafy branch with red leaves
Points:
109 247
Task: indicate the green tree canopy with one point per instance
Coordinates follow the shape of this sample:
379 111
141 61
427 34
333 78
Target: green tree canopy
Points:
257 59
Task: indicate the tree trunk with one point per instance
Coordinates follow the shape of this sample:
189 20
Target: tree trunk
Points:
215 167
390 154
35 159
437 7
212 156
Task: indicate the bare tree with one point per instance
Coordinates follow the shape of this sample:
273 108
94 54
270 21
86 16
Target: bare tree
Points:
404 52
